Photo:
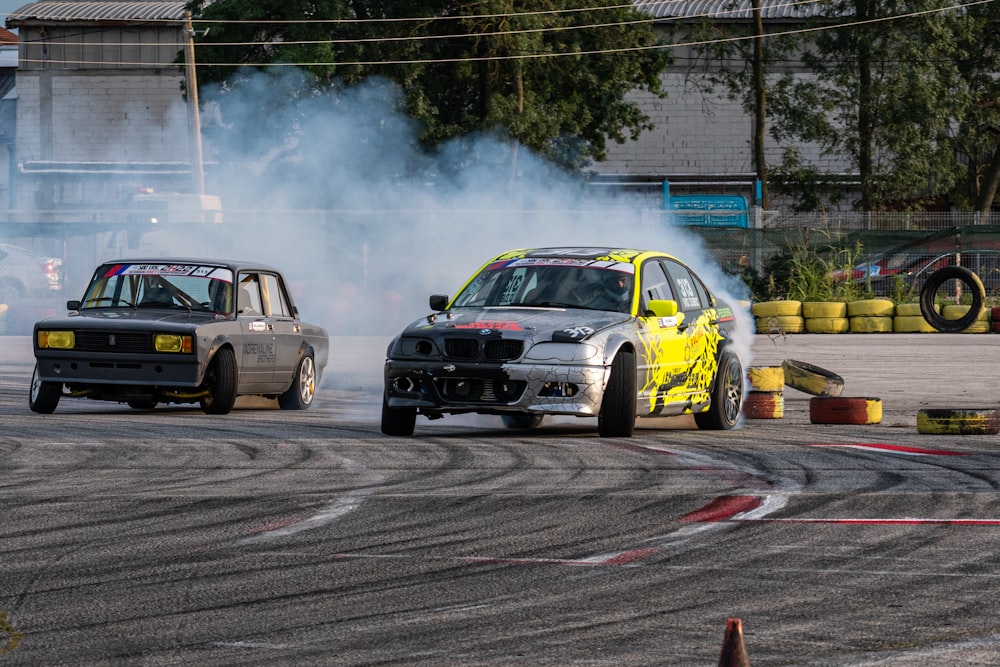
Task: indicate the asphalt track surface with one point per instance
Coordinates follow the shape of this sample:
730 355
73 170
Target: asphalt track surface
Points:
266 537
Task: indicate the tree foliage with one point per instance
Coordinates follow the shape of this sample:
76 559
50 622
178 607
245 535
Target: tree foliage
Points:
905 92
531 72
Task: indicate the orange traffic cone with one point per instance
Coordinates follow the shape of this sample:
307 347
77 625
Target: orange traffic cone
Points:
734 653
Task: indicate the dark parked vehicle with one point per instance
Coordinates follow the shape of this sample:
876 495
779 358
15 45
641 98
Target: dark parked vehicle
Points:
611 333
25 274
908 271
151 331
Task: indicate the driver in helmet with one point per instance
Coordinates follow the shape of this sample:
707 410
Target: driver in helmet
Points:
618 291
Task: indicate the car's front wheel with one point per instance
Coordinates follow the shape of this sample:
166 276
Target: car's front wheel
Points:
44 396
617 416
727 396
220 380
397 421
300 395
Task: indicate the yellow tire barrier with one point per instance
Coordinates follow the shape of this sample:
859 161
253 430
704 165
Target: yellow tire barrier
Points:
828 325
937 280
957 311
823 309
781 324
958 422
912 310
764 405
777 309
766 378
811 379
871 308
845 410
871 324
911 324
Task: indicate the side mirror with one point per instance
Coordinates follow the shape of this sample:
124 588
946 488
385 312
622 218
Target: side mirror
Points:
439 302
73 305
661 308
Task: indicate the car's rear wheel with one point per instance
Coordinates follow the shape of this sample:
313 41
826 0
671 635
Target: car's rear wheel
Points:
220 380
617 416
300 395
397 421
44 396
727 396
522 420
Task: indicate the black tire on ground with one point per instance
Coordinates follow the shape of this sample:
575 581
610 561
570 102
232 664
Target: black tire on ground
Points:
522 420
929 292
142 405
812 379
617 416
727 396
220 380
44 396
303 390
397 421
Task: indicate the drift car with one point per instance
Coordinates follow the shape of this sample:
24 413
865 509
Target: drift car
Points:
592 332
179 331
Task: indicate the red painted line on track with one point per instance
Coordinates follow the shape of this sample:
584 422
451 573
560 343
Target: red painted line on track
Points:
722 508
898 449
882 522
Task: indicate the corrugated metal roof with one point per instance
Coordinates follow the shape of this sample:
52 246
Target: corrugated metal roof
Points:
109 10
734 10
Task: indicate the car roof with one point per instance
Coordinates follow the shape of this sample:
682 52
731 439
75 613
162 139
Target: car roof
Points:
235 265
632 255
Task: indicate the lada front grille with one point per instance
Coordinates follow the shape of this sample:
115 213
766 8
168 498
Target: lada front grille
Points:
125 342
495 349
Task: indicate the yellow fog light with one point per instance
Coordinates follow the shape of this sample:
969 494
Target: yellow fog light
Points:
59 340
172 343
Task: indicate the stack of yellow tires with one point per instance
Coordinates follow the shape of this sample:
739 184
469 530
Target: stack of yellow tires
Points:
765 398
825 317
778 317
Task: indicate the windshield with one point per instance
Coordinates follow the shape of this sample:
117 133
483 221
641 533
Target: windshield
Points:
187 287
553 283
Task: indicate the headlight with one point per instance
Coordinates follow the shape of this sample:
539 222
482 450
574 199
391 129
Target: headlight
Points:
56 340
172 343
564 353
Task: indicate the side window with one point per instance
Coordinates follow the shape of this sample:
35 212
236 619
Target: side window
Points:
691 294
275 295
248 297
654 284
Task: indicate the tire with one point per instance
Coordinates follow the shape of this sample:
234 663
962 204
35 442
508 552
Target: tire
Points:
909 310
397 421
764 405
812 379
44 396
871 324
828 325
766 378
871 308
617 416
522 420
929 293
958 422
955 311
777 309
142 405
823 309
727 396
220 380
911 324
781 324
845 410
303 390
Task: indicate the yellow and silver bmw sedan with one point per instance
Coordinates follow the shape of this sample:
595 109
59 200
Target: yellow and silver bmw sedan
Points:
611 333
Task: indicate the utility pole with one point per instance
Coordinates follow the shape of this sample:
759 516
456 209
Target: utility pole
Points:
194 117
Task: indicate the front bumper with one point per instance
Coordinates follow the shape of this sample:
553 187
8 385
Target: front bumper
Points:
443 387
85 369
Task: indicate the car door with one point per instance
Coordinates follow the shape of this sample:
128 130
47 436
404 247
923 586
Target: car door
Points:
258 353
694 303
661 363
286 329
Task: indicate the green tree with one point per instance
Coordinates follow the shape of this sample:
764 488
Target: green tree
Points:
552 75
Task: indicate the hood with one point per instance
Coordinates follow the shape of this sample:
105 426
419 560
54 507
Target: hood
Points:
536 324
131 318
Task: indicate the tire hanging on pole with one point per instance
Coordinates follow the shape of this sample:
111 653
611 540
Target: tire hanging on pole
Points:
928 295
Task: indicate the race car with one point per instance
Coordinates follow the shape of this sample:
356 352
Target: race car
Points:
611 333
151 331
